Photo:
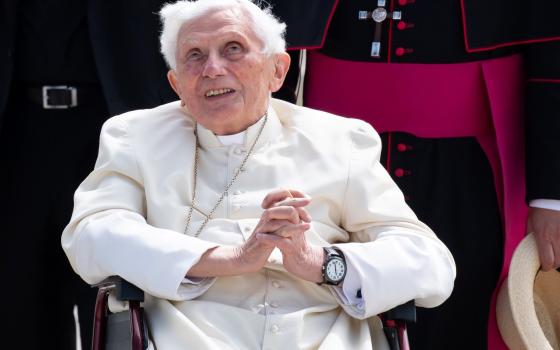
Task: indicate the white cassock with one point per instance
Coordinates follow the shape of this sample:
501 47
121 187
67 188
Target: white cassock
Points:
130 215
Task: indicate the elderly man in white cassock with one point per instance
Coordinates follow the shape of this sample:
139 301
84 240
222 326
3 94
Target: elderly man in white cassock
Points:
250 223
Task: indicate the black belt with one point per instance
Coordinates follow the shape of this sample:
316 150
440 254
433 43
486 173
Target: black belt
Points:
63 96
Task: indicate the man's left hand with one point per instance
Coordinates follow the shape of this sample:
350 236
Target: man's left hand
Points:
545 225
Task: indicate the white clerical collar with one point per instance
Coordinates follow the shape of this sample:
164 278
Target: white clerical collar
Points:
235 139
271 130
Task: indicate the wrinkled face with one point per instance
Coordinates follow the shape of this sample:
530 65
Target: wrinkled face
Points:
221 75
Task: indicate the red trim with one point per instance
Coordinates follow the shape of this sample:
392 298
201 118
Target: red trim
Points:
329 22
136 325
99 320
304 47
389 39
389 141
539 80
403 335
492 47
513 43
464 19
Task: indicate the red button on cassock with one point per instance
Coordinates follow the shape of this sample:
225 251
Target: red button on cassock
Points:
403 2
399 51
401 25
399 172
401 147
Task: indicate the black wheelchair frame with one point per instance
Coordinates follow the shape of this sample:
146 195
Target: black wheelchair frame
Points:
128 329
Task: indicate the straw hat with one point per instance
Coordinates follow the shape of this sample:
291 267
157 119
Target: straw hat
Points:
528 308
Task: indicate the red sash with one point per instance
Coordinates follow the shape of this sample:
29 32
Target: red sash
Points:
482 99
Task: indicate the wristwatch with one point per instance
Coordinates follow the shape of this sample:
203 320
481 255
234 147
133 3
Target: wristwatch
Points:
334 267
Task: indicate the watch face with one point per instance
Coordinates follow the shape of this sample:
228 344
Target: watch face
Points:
335 270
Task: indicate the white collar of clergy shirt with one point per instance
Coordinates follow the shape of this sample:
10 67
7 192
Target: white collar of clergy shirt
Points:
235 139
271 130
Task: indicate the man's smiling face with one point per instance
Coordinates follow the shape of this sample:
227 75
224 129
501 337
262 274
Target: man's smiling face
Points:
221 74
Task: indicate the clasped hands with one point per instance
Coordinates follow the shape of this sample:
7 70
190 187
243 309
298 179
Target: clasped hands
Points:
282 224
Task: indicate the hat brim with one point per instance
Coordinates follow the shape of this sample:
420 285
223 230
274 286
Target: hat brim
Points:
516 308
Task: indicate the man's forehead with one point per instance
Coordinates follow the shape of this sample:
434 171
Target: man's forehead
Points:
217 28
221 20
190 35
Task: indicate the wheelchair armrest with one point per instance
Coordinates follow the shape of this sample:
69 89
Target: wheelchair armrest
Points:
108 331
394 325
404 312
124 290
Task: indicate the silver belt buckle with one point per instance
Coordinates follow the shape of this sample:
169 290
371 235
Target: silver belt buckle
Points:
73 96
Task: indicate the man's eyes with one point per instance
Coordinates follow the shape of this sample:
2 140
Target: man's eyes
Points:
193 55
230 49
233 48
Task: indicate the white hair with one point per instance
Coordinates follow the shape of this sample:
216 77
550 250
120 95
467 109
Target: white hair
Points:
264 24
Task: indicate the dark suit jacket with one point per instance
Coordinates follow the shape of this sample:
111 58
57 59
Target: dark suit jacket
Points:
124 37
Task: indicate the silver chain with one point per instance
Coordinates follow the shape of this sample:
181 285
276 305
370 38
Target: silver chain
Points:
237 172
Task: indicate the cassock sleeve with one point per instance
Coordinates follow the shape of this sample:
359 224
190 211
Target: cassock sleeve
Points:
543 120
108 233
394 257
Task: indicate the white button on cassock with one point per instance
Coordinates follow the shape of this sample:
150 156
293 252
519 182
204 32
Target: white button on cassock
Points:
274 329
275 284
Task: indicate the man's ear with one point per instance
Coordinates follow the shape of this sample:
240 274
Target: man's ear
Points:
174 82
281 66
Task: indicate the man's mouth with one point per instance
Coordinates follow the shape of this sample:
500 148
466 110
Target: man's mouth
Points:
218 92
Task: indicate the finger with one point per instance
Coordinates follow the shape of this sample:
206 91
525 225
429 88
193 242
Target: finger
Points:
269 239
298 194
281 194
556 250
273 225
282 243
292 230
304 214
254 243
298 204
546 253
281 213
530 227
275 196
292 202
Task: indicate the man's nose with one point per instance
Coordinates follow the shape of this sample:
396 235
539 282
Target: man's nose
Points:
214 66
